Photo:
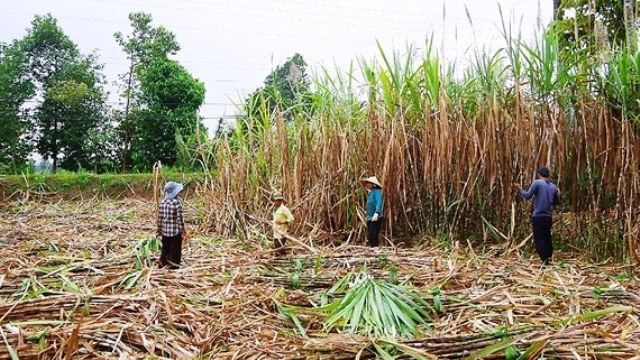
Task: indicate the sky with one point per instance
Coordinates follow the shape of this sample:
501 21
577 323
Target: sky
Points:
232 46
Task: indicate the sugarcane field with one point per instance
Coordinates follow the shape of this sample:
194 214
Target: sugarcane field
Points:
81 280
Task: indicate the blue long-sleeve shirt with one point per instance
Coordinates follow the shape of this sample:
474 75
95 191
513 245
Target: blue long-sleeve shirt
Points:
545 194
374 203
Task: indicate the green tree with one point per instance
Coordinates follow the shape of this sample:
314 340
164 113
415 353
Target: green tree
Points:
584 24
172 97
74 108
600 37
143 45
286 90
15 90
162 98
71 88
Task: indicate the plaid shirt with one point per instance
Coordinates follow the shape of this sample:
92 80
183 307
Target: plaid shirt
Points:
170 219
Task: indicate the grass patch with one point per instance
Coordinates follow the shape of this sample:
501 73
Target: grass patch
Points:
68 184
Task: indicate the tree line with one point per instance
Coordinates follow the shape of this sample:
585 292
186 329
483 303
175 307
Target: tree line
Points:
53 101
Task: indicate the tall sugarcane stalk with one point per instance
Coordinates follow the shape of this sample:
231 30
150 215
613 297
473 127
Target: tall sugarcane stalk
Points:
157 167
447 144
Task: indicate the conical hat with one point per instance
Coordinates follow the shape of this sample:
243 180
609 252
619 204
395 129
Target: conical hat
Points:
373 180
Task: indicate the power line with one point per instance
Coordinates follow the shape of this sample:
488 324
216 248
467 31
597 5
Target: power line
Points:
475 28
187 61
289 18
239 67
431 21
202 54
313 3
218 30
385 13
111 102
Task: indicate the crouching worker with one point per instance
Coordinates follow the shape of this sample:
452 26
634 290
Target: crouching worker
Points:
282 218
171 226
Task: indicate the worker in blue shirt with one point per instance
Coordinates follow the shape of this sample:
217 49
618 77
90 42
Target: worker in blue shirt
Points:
374 209
545 196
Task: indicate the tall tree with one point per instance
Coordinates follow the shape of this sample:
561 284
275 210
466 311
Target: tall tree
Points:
78 98
580 23
286 89
172 97
69 86
144 44
15 90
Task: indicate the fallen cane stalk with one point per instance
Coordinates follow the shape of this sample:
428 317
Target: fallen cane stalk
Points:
287 236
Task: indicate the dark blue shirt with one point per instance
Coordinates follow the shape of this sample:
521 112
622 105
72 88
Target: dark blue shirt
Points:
374 203
545 195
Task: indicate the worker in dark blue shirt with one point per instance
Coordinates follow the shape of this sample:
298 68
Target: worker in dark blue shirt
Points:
545 197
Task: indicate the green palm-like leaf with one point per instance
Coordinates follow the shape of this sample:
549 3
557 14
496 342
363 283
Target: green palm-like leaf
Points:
377 308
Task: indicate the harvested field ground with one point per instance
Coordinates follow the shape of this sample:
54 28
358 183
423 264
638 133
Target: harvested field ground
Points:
77 281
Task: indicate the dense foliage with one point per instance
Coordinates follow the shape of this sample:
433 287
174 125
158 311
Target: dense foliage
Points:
53 101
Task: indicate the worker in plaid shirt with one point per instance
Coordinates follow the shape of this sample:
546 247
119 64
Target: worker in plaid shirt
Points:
171 226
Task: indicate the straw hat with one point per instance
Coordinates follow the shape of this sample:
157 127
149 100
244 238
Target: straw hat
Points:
373 180
278 196
172 189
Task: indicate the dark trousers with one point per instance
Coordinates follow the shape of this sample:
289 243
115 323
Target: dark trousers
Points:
171 251
373 231
279 246
542 237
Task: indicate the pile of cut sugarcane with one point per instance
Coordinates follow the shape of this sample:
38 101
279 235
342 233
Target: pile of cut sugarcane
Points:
78 280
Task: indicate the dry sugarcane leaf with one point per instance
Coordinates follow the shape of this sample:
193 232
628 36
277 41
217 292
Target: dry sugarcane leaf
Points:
71 345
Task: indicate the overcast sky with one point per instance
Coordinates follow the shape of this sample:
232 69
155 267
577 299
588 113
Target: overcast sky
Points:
232 46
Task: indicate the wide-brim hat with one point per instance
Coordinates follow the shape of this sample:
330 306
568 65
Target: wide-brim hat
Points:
278 196
373 180
172 189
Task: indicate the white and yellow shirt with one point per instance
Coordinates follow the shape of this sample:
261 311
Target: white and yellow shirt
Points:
281 215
